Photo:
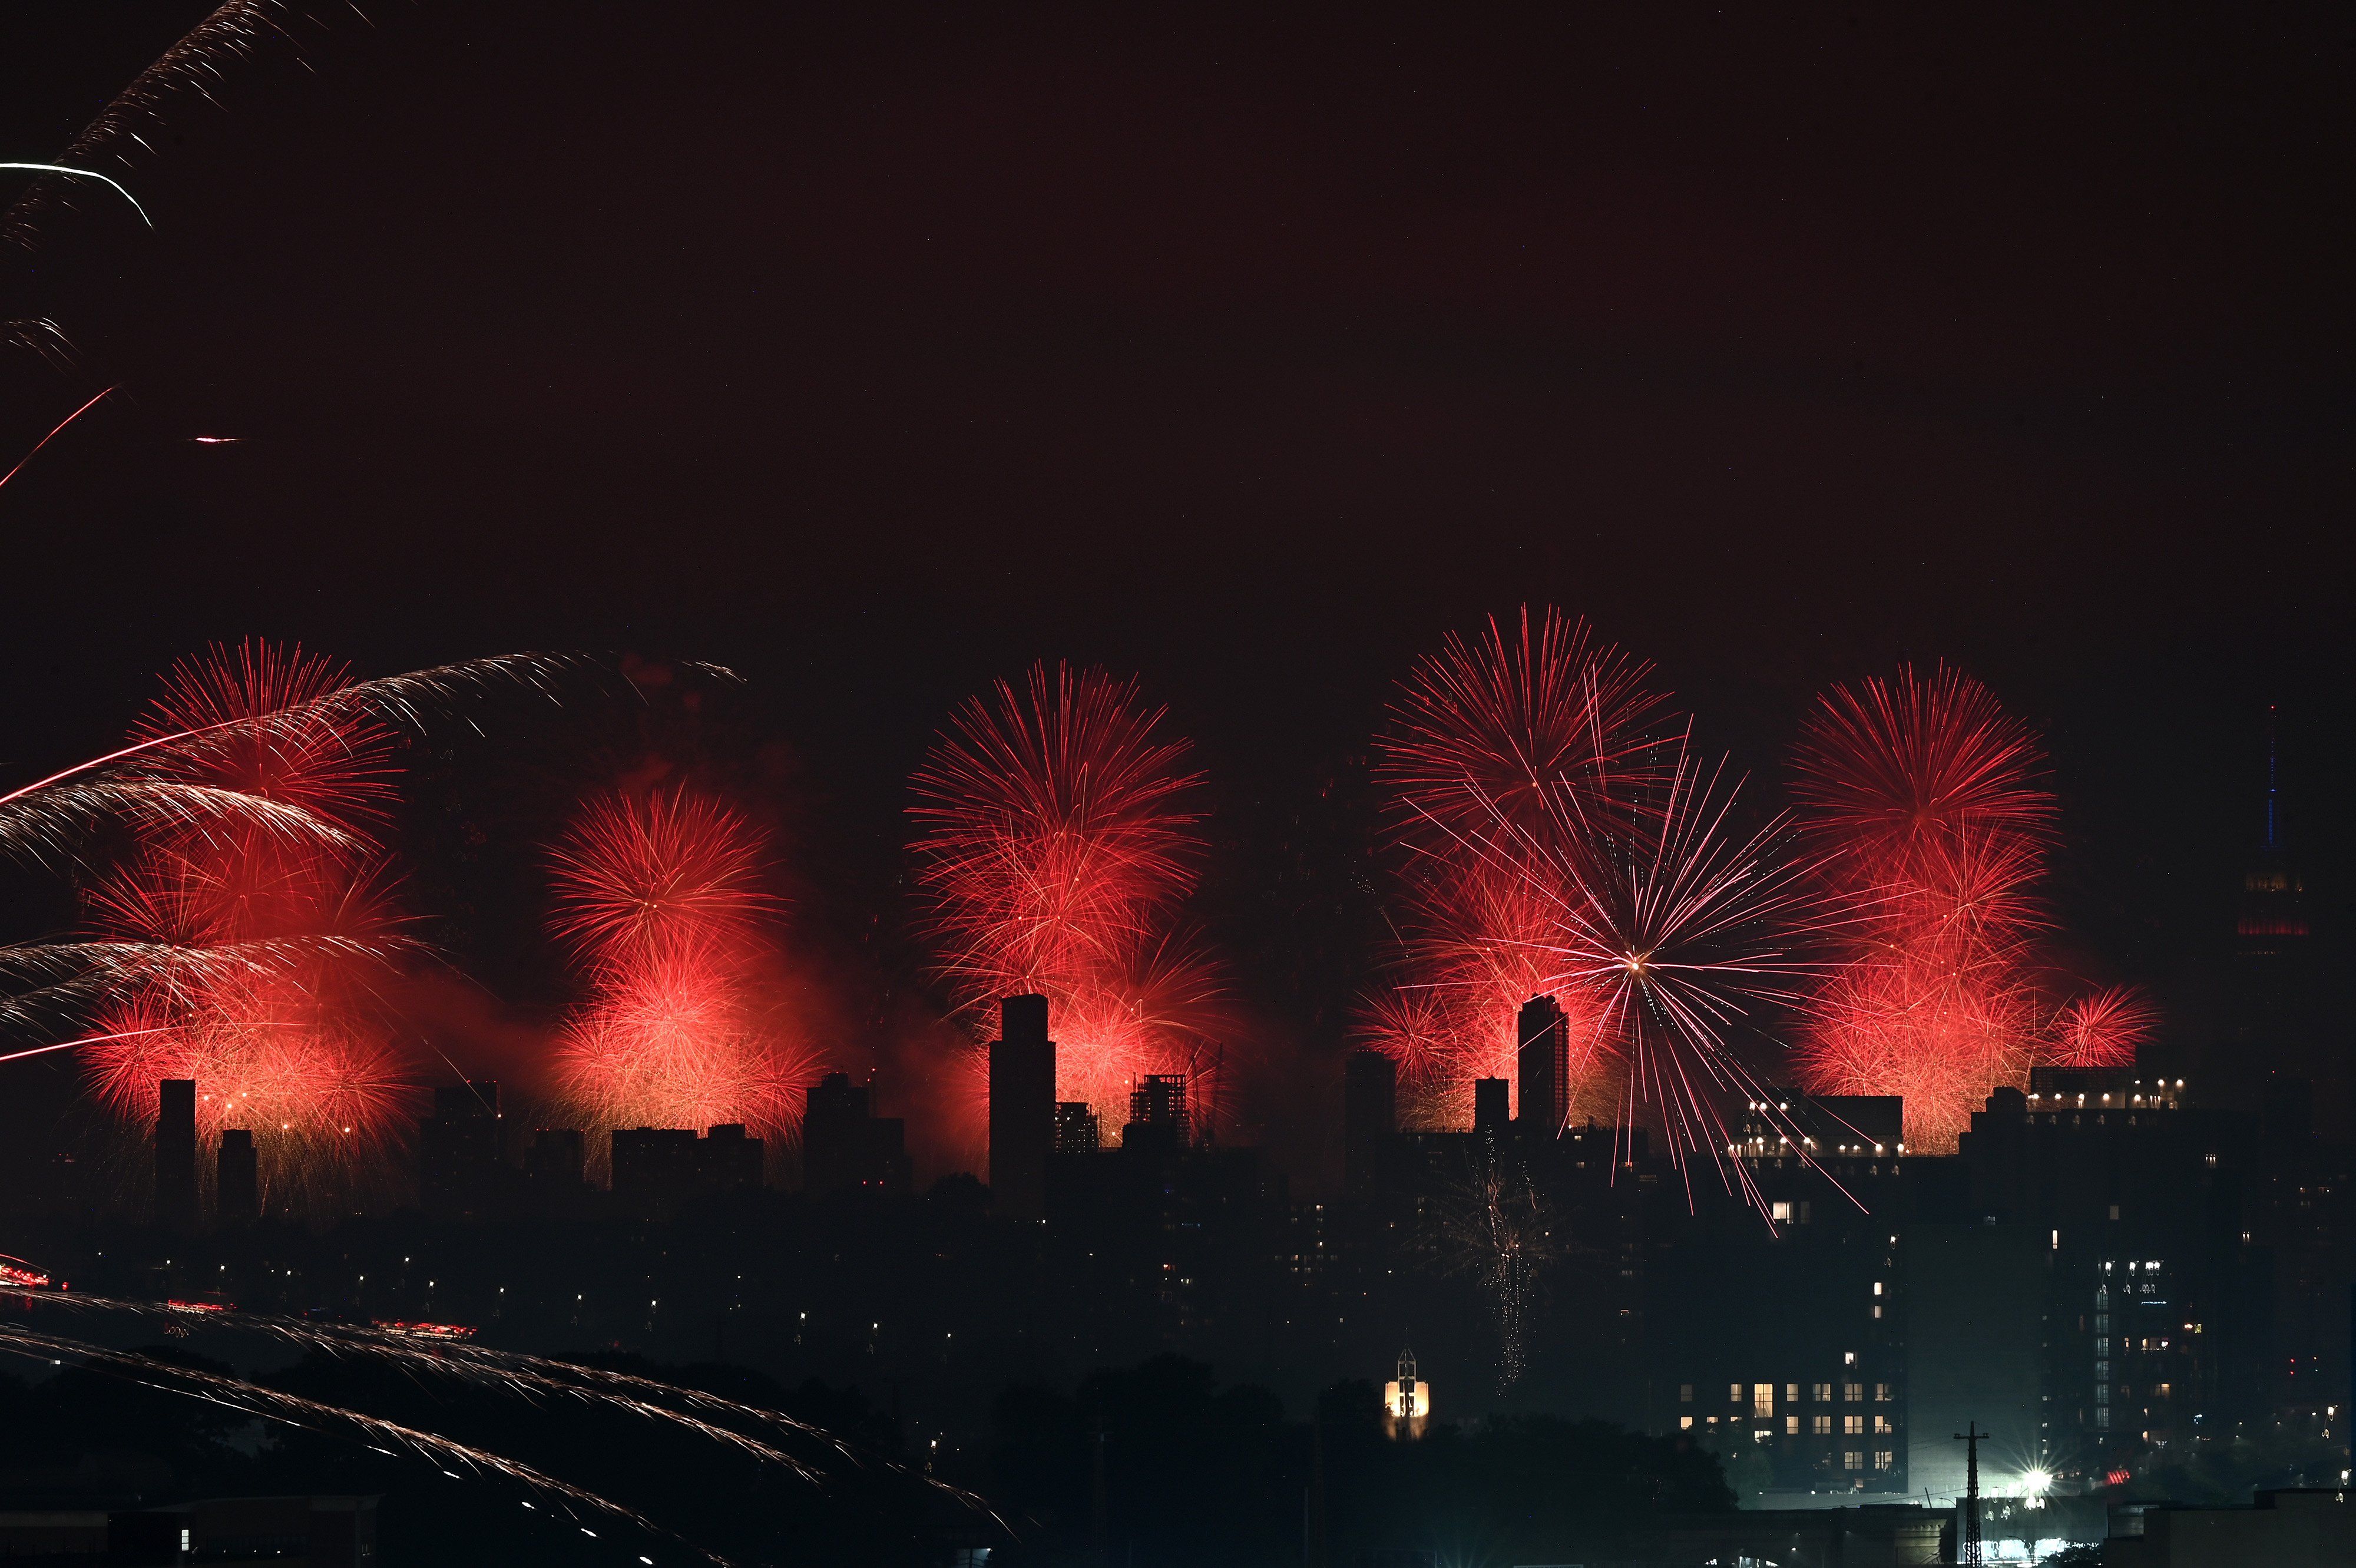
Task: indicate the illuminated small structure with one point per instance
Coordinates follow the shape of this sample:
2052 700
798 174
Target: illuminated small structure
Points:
1406 1401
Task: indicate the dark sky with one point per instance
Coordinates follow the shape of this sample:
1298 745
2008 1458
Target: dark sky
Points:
877 353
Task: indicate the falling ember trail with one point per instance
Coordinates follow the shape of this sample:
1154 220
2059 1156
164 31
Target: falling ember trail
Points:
52 435
86 174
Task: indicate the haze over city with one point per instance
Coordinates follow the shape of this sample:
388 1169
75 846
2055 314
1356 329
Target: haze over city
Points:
887 786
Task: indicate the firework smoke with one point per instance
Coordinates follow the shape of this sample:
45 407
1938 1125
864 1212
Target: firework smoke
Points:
659 898
1056 847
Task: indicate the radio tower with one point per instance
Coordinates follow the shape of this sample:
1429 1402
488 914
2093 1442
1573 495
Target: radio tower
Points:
1967 1543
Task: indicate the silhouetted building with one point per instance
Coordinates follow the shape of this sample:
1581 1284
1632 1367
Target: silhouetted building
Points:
1369 1118
845 1145
730 1159
459 1169
237 1178
557 1162
1021 1108
175 1153
1077 1131
657 1169
1543 1066
654 1169
1823 1126
1493 1105
1157 1113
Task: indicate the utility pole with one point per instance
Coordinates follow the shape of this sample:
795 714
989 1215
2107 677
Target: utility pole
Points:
1968 1533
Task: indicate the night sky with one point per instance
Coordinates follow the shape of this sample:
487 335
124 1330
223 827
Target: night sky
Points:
875 353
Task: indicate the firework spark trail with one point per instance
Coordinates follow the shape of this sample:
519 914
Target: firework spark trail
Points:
242 941
660 899
531 1376
1056 844
270 1404
87 174
121 788
1674 934
1494 1226
234 29
52 435
301 1055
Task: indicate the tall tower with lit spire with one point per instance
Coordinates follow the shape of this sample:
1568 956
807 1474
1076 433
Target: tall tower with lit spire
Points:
2274 1024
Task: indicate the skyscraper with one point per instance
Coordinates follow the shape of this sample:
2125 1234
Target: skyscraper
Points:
1369 1118
1021 1108
175 1153
1543 1066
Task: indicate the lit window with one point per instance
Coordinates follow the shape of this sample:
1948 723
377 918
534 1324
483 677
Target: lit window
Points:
1685 1393
1884 1459
1734 1393
1877 1309
1822 1426
1853 1393
1762 1399
1852 1459
1881 1393
1791 1393
1792 1427
1848 1358
2160 1391
1780 1212
1852 1426
1877 1287
1683 1422
1881 1424
1824 1393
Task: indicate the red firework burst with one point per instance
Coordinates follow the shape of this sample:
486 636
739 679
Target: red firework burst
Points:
1056 844
1897 773
683 1025
1940 1031
1482 948
1515 726
1922 800
673 872
1511 752
292 1042
2104 1029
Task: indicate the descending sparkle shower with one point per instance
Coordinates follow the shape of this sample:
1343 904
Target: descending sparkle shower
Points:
1055 845
660 898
